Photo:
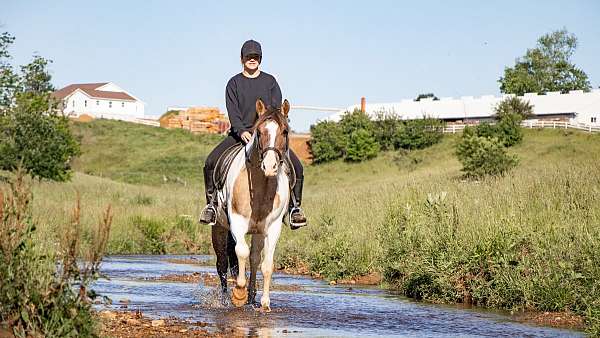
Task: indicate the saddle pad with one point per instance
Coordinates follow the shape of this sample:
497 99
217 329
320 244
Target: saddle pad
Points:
223 164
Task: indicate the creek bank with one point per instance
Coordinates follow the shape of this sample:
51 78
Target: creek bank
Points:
120 324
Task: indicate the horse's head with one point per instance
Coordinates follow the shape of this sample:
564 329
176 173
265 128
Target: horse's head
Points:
271 130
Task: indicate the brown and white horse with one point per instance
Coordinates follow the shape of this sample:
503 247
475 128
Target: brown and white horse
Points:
256 193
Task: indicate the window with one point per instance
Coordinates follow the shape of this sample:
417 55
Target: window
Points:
109 104
123 104
97 103
85 103
73 103
593 119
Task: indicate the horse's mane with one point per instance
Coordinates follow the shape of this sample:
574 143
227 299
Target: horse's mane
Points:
272 113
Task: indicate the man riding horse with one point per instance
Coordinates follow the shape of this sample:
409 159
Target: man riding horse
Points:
241 95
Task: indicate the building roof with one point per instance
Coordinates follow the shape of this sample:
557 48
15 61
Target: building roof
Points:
90 90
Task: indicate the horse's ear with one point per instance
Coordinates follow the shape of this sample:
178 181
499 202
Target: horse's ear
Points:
260 107
285 108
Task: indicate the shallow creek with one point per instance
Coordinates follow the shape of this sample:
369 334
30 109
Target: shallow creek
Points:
301 306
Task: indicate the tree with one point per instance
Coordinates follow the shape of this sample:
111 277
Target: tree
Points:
546 68
8 79
425 96
33 134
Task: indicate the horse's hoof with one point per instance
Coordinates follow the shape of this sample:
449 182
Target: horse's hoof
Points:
239 296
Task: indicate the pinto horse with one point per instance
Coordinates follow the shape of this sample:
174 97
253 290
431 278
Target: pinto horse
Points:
254 201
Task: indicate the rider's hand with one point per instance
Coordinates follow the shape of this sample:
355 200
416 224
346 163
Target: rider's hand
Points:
246 136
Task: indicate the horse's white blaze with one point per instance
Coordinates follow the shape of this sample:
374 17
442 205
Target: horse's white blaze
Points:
269 163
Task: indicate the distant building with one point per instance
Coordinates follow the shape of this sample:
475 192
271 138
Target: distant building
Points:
100 100
576 107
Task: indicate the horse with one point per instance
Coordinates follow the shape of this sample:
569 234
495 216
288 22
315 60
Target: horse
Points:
254 200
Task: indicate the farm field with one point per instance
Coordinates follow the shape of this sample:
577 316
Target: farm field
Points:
527 241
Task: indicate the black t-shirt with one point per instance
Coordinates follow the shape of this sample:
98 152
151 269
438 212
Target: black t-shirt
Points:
241 94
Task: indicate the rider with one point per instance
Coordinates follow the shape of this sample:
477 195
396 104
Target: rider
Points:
241 93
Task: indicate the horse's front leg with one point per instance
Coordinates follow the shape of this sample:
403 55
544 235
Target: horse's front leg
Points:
219 241
239 228
256 247
273 232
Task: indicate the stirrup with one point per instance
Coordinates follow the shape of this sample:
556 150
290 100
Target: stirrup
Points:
213 220
295 225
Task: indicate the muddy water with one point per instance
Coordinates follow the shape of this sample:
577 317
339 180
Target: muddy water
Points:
312 308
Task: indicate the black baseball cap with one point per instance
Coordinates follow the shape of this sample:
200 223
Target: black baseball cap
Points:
251 47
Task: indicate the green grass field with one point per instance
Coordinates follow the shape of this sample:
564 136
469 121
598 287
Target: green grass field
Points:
529 240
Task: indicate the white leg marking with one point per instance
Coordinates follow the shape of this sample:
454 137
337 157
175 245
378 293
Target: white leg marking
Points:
271 239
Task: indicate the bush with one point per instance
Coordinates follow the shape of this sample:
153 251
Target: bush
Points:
153 235
482 156
419 134
38 297
385 127
361 146
326 142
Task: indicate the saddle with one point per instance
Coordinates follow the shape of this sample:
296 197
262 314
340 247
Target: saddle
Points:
224 164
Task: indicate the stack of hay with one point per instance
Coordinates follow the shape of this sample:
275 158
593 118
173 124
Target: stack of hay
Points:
196 120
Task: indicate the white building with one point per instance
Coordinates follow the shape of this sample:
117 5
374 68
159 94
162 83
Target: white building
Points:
576 107
100 100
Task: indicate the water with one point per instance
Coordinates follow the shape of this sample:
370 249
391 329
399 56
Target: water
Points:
300 306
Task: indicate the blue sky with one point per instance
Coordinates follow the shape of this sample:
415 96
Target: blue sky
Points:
324 53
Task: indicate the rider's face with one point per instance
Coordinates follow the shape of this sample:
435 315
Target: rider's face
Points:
251 62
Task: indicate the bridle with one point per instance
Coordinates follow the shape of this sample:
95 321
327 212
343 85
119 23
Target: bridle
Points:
262 152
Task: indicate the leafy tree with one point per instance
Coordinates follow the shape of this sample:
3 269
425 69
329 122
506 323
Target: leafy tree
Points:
8 79
509 113
327 142
33 133
425 96
547 67
483 156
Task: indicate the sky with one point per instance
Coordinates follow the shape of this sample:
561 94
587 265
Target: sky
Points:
323 53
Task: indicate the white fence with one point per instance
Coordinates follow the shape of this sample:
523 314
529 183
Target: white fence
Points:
535 124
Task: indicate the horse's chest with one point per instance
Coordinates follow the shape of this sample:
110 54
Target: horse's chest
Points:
255 198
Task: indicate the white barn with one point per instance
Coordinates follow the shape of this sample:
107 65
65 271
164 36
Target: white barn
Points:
577 107
100 100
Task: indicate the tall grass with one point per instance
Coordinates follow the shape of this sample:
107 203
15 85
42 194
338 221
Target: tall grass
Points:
44 290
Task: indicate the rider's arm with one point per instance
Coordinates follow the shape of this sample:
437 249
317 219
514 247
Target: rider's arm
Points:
275 95
233 109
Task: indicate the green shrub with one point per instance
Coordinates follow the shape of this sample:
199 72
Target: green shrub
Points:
327 142
355 120
419 134
153 232
361 146
38 297
482 156
385 127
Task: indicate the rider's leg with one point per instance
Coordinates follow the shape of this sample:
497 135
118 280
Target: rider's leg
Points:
297 217
209 213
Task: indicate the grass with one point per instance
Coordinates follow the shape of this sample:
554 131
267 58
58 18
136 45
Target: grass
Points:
528 240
